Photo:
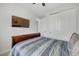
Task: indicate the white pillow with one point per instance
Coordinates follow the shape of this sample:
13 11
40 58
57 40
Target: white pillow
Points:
75 49
74 38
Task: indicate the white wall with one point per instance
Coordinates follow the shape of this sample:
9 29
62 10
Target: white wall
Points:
60 25
6 30
77 22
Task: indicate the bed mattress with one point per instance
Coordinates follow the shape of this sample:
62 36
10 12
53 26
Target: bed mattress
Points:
41 46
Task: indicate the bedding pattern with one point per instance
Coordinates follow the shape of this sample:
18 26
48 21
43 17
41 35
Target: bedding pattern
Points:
41 46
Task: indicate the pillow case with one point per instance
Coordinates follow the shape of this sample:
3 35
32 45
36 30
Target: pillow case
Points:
75 49
74 38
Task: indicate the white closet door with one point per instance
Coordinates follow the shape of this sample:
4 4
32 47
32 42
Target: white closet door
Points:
62 25
68 22
59 26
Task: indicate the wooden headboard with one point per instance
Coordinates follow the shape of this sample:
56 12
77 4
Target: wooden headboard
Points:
16 39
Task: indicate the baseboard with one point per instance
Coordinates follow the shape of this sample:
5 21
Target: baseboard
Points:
3 52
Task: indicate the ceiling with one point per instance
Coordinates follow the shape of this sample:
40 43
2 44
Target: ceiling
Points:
40 11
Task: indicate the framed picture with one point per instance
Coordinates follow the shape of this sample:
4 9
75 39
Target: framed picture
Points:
20 22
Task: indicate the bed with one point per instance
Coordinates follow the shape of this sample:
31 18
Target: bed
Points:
35 45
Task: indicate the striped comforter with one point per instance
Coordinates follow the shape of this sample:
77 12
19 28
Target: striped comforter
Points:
41 46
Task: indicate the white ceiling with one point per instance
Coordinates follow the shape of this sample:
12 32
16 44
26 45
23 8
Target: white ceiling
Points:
40 11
